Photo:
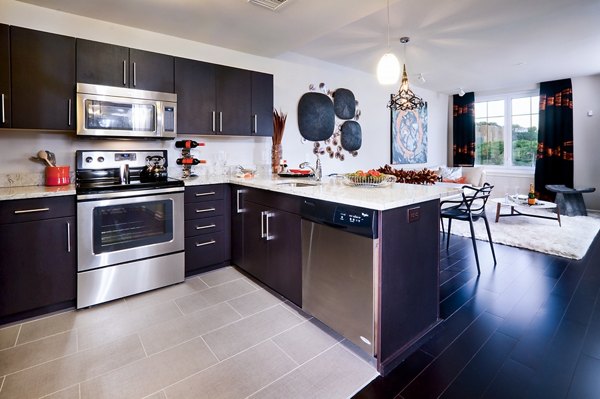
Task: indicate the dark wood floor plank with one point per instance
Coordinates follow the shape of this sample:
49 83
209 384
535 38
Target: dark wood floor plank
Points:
586 380
510 382
478 374
442 371
398 379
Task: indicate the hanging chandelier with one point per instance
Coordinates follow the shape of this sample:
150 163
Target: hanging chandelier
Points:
388 67
406 99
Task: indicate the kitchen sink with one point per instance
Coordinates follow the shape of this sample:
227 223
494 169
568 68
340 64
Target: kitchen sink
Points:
298 184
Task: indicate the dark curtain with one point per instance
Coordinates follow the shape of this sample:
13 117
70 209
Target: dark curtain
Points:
463 123
554 161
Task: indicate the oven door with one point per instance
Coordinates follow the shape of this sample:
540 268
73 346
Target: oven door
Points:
113 231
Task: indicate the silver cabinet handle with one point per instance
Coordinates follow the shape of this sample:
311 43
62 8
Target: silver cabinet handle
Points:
124 72
255 123
134 75
68 237
3 112
262 224
238 195
201 244
31 210
214 120
208 226
70 103
205 210
220 122
203 194
267 216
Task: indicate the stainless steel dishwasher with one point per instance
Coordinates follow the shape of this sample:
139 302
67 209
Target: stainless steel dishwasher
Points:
340 265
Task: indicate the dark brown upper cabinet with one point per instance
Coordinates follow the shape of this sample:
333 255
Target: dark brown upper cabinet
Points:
234 100
216 99
4 76
110 65
262 104
195 88
42 69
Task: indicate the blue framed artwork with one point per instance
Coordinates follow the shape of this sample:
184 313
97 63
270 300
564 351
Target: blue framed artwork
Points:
409 136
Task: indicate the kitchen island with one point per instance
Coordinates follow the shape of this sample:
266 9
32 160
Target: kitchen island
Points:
275 240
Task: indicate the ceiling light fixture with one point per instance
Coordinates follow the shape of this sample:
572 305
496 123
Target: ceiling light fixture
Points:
388 67
461 92
405 100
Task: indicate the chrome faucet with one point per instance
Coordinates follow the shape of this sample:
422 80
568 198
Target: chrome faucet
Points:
317 171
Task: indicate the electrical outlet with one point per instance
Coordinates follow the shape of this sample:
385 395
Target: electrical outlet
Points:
414 214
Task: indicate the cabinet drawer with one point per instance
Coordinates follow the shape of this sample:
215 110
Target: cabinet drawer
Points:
205 209
204 226
26 210
205 250
204 193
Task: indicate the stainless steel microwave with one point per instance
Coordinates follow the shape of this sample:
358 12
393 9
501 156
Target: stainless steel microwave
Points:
106 111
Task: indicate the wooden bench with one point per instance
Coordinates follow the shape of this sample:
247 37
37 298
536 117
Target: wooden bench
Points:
570 200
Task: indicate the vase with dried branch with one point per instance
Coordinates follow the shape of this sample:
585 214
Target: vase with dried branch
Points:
279 118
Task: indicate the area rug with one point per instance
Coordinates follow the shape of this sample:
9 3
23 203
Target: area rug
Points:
572 240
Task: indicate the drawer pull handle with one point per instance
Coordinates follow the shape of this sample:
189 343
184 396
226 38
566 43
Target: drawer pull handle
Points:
205 210
208 226
31 210
201 244
204 194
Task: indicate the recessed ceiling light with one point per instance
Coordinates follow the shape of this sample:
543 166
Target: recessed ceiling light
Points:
270 4
520 63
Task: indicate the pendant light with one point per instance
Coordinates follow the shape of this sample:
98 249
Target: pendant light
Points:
388 67
405 100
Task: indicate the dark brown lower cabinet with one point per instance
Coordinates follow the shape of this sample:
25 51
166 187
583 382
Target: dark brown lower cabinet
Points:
207 227
271 246
38 257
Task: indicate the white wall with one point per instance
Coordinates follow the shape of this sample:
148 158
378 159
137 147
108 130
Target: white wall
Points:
586 136
292 75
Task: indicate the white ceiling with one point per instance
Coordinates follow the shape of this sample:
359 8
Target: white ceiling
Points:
479 45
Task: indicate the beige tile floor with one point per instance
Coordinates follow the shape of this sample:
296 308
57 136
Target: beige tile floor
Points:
217 335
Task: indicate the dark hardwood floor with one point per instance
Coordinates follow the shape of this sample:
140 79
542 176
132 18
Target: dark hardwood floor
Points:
528 328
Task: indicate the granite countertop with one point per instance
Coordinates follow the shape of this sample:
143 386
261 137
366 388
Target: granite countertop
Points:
25 192
330 189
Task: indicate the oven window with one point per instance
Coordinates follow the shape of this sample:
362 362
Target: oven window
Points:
119 227
108 115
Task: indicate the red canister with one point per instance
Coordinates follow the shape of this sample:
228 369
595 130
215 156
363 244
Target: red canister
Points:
57 175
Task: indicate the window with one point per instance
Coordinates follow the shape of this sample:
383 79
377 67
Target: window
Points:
506 130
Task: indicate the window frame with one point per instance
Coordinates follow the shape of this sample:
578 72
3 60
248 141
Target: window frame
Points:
507 131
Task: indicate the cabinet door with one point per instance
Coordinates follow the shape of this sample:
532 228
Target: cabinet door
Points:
262 104
284 272
43 80
255 246
102 63
151 71
237 225
195 88
38 266
234 101
4 76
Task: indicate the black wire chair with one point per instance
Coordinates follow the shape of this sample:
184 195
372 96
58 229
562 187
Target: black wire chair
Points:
470 208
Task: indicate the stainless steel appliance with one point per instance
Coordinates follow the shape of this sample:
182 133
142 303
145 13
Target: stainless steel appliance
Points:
106 111
340 266
130 232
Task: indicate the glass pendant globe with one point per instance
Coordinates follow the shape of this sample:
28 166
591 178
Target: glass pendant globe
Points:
388 69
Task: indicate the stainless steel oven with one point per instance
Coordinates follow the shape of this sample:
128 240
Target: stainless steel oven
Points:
130 235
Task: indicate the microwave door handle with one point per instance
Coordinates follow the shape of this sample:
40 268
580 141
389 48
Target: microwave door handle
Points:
70 112
124 72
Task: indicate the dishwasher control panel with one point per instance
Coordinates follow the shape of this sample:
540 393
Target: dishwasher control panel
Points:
351 217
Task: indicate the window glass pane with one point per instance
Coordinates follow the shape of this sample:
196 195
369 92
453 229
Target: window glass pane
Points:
524 132
480 110
521 106
489 141
496 108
